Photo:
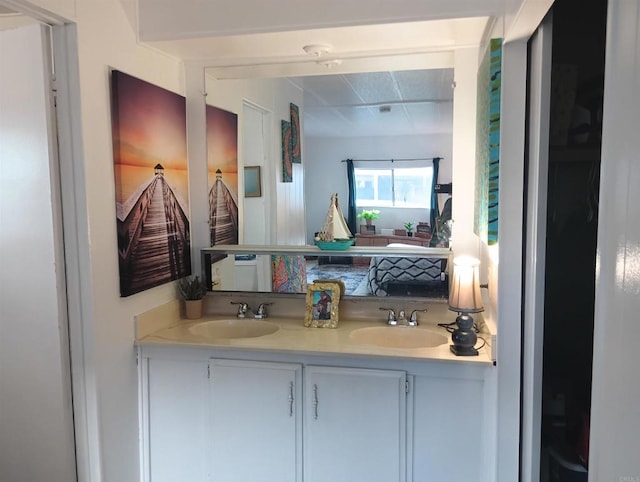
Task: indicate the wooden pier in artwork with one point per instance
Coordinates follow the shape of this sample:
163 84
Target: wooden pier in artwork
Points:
153 238
223 214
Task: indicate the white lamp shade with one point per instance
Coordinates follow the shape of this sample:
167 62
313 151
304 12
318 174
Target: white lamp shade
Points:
464 293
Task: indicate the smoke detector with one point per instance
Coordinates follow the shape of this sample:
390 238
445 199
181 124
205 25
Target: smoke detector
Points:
317 50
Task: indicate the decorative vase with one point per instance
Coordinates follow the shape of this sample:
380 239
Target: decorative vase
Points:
369 222
193 309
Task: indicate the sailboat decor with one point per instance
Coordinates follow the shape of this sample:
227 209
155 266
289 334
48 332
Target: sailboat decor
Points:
335 234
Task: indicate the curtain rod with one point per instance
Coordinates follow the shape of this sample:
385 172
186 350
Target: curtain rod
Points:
392 160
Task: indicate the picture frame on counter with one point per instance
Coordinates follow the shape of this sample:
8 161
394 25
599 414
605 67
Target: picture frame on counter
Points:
323 299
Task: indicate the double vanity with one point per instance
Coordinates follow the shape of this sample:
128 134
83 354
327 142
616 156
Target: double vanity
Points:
262 400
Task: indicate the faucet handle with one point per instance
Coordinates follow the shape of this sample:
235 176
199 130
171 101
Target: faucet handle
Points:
413 319
262 310
242 308
391 320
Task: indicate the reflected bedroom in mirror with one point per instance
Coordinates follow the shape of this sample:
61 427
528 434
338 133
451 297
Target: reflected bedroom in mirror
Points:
381 140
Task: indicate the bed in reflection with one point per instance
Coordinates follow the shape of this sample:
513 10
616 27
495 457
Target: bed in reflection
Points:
407 276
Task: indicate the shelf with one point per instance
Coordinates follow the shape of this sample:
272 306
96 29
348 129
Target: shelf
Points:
308 250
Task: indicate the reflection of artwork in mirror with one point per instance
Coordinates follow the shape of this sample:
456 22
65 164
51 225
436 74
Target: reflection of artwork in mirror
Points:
296 151
222 166
488 144
150 164
289 274
287 168
252 181
322 305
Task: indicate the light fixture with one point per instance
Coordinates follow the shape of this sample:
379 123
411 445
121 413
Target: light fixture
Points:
465 298
317 50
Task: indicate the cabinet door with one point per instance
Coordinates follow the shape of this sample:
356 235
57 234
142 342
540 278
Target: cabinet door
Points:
176 420
355 425
256 421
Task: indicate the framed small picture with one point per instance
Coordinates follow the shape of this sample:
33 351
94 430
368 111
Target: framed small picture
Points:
252 181
323 299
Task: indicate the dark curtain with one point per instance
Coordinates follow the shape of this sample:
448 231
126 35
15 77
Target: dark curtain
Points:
351 209
435 210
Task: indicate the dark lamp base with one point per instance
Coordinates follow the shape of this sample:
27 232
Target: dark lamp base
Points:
464 337
463 350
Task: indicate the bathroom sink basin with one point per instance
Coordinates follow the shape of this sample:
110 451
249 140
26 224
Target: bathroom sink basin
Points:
397 337
233 328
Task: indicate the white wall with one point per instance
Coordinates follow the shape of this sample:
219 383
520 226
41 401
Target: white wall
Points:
106 39
326 174
465 241
36 426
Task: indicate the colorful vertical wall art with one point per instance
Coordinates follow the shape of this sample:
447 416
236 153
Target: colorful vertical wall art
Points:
150 166
222 169
296 151
488 144
287 167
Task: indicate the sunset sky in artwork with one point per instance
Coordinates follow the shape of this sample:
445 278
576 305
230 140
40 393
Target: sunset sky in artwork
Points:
222 140
149 125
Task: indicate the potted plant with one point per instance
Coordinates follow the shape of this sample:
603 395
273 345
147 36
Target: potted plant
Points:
368 215
409 227
192 289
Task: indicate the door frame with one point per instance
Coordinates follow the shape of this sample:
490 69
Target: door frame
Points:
536 171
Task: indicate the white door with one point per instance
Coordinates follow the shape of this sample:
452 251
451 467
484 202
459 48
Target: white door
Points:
255 421
615 400
355 425
177 422
36 420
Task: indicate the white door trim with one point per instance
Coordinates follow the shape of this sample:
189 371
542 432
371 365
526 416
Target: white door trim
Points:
77 256
535 249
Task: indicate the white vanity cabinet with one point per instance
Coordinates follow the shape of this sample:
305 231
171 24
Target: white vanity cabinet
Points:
354 424
225 415
256 420
221 420
227 420
175 414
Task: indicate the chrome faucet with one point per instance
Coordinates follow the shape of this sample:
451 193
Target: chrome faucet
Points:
401 319
413 319
391 317
262 311
243 308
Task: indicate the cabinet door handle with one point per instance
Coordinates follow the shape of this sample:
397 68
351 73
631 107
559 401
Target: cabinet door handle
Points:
315 401
291 399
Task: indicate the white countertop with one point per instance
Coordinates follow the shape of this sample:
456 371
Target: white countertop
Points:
292 336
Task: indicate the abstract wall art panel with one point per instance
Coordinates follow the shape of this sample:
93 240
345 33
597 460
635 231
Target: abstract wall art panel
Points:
151 183
296 150
488 144
287 167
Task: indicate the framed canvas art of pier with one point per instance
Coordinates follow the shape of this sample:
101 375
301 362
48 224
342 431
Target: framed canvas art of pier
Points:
222 166
151 183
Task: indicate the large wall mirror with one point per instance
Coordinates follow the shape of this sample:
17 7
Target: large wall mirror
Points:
391 122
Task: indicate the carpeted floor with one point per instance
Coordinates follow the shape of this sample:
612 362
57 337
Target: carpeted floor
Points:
351 275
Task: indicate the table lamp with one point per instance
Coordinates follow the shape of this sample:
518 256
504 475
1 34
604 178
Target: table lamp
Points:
465 298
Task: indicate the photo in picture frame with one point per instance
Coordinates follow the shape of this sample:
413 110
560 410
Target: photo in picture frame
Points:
323 299
252 181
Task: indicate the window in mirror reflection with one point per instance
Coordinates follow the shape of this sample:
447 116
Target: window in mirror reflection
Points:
398 187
